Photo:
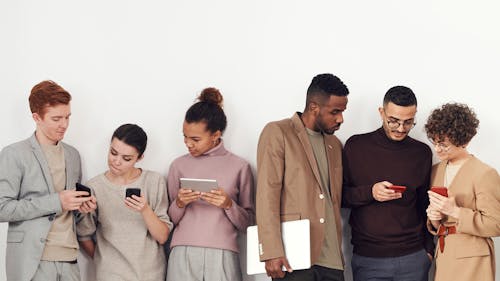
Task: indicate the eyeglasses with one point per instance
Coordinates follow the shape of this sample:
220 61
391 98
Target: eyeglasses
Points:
395 123
441 146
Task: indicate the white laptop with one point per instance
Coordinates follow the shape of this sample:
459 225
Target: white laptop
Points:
296 241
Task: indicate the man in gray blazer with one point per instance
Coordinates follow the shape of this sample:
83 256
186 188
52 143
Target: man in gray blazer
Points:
37 196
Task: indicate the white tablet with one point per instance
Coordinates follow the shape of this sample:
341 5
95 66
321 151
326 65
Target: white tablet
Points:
203 185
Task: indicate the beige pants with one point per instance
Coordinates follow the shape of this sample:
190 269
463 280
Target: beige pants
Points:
57 271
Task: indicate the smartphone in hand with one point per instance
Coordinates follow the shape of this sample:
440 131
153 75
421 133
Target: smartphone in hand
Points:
441 190
398 188
81 187
132 191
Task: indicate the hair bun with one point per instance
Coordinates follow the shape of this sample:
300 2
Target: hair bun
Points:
211 95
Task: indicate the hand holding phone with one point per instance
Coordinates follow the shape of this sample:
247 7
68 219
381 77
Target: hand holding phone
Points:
132 191
441 190
398 188
81 187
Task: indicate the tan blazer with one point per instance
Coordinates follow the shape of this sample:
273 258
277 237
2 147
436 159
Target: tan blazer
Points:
469 254
288 185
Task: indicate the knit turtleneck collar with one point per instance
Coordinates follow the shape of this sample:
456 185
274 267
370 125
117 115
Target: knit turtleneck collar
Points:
217 150
382 138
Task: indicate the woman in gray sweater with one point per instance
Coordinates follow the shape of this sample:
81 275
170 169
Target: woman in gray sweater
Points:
129 231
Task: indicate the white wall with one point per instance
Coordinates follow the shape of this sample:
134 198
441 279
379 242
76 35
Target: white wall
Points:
145 62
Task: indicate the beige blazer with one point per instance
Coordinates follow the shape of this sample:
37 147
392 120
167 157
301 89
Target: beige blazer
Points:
469 254
289 185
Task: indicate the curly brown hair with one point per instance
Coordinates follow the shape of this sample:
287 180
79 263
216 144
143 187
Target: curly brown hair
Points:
454 121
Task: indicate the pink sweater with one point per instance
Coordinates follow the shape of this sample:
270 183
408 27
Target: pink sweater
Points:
201 224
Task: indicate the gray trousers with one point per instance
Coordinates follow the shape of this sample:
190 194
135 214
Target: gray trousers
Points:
57 271
188 263
315 273
412 267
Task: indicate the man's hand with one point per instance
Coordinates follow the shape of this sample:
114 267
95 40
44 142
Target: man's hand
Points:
72 200
381 192
274 267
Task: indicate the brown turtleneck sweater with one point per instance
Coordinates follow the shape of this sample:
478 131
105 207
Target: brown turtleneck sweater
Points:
392 228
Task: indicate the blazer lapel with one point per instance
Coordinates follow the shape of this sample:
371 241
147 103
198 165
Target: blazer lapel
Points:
460 174
438 179
37 150
330 154
304 140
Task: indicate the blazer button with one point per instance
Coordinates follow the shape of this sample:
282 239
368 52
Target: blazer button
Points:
321 220
321 196
42 240
51 217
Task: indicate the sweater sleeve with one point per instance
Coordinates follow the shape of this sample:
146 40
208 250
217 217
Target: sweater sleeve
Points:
173 185
242 212
352 195
159 203
484 221
87 223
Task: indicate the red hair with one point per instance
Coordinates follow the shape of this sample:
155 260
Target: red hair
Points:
47 93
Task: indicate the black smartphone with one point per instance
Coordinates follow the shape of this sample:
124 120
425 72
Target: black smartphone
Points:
132 191
81 187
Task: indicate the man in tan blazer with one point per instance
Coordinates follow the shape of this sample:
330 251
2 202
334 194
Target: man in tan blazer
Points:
299 172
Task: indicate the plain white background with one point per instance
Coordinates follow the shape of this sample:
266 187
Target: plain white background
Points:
145 62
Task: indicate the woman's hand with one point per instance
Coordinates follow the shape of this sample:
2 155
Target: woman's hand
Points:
136 203
445 205
88 206
433 214
218 198
186 196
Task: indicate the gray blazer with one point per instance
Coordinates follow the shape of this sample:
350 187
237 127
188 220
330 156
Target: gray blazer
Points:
29 203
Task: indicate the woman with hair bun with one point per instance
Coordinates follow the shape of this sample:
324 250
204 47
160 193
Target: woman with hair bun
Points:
204 244
465 220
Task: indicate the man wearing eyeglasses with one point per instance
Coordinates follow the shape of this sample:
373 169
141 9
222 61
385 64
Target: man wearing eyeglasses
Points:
387 221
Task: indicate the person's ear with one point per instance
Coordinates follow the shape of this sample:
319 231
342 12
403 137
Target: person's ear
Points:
140 158
314 108
216 136
36 117
381 112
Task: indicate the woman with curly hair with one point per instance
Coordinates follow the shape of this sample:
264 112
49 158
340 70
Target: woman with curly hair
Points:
469 216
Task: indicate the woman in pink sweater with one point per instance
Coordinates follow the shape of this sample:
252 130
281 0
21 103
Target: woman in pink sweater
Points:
204 244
